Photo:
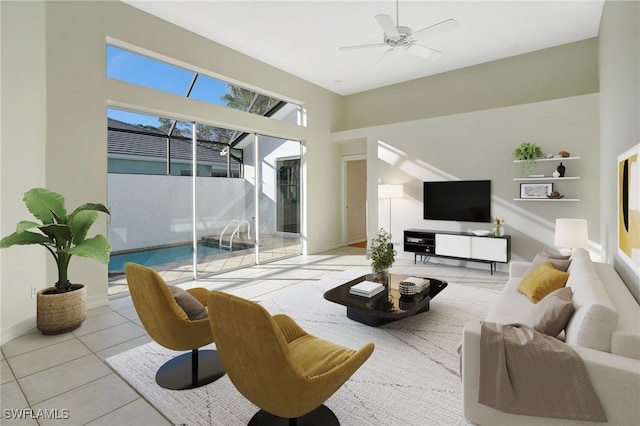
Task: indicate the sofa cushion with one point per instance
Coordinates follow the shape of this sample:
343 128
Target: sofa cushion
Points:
625 340
595 318
542 281
581 261
543 257
551 315
555 256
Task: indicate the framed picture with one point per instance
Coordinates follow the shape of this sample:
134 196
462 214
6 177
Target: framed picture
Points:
535 190
629 207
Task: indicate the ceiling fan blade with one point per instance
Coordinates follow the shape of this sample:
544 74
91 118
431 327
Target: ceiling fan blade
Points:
436 29
387 57
423 51
389 28
362 46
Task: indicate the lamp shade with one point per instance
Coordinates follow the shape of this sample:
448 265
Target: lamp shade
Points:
390 191
571 233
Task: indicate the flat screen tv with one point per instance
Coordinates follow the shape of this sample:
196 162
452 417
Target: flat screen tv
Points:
460 200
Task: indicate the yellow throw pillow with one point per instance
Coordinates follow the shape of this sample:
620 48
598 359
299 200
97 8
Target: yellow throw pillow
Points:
542 281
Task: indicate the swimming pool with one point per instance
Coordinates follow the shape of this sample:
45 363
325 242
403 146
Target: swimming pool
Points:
162 255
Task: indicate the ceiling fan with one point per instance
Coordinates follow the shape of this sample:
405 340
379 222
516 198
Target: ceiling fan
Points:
400 39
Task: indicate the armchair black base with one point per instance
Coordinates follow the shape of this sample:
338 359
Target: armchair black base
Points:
320 416
190 370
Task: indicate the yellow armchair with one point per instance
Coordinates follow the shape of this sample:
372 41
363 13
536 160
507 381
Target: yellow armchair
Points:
169 325
276 365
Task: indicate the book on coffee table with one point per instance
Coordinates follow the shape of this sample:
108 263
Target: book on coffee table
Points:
421 283
366 289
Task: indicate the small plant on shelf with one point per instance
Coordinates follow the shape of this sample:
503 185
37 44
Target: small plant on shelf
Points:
527 153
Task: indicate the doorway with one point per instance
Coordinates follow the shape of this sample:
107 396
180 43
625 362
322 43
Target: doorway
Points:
288 204
355 201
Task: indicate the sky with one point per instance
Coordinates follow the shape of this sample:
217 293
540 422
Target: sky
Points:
144 71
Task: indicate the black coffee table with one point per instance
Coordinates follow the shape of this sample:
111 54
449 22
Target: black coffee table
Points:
384 307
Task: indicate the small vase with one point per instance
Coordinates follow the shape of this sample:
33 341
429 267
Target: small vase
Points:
498 231
561 169
381 276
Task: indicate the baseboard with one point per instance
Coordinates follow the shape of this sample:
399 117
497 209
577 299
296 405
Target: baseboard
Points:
29 325
17 330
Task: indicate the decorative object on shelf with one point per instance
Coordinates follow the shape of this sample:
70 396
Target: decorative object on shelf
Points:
555 195
499 222
535 190
60 308
564 154
561 169
556 174
527 153
481 232
382 255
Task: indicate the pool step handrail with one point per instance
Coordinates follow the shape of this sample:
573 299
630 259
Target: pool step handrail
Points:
225 230
236 232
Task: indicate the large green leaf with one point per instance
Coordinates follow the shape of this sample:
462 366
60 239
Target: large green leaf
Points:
80 222
97 248
23 238
61 233
44 204
90 206
25 225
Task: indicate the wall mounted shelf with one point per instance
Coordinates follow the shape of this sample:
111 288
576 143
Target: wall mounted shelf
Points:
551 159
546 199
547 178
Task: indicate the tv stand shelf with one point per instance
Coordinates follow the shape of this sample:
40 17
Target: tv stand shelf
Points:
458 245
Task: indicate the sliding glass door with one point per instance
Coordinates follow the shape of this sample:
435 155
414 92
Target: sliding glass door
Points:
190 200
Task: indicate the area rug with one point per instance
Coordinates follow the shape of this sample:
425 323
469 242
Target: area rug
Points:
411 378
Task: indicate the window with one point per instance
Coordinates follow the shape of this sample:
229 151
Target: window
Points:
144 144
148 72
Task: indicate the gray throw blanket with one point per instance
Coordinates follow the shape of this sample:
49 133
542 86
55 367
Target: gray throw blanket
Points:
526 372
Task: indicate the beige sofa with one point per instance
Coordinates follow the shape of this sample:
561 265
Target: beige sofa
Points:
604 330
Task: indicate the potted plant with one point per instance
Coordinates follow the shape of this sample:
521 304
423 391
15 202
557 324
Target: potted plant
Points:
60 308
527 153
382 255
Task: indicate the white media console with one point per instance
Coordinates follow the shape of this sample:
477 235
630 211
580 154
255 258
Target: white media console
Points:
458 245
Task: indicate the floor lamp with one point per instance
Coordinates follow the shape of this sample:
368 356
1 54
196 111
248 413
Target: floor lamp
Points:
390 191
571 234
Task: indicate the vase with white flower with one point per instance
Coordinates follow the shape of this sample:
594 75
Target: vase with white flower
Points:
498 222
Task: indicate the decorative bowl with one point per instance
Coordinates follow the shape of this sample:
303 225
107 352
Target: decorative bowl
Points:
481 232
407 289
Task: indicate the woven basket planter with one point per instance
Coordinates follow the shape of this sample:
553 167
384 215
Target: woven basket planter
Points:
61 312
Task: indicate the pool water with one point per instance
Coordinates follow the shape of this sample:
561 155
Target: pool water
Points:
162 255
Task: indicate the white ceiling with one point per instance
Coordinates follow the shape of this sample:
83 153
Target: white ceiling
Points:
303 37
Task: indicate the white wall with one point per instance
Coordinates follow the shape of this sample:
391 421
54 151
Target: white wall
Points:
54 100
478 145
23 162
619 43
151 210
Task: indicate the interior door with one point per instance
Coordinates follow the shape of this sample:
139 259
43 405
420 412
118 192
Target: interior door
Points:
356 201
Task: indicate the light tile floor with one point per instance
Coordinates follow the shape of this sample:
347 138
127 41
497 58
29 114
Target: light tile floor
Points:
67 372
